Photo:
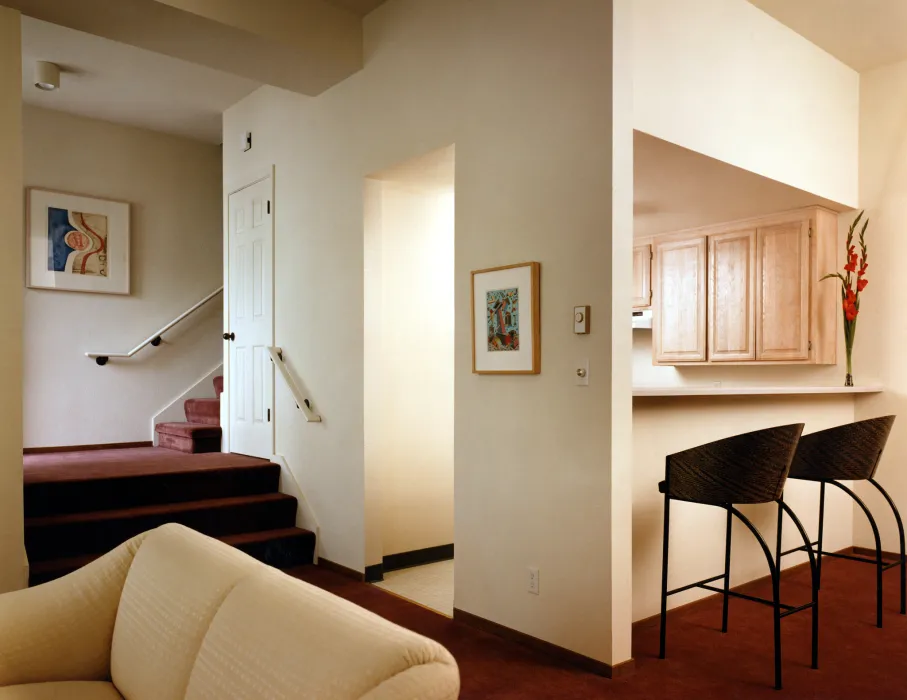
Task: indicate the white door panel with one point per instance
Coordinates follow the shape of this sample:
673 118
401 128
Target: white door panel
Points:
251 264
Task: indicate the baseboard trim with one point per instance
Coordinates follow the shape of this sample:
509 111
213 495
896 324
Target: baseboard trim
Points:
418 557
625 668
86 448
340 569
870 552
374 573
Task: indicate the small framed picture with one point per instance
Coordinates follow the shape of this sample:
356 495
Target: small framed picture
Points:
76 243
506 320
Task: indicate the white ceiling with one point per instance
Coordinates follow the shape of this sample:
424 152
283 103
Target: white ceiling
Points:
119 83
864 34
675 189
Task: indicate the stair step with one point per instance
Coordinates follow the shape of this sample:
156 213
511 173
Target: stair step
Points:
189 437
77 534
283 548
219 386
203 411
62 497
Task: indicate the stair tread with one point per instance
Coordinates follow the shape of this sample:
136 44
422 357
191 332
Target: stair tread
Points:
73 563
205 504
187 429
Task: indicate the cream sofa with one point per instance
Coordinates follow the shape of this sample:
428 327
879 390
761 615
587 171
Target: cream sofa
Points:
172 614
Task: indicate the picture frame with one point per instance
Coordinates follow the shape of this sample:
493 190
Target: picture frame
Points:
76 243
506 319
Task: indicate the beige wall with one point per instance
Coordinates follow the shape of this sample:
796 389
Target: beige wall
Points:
409 355
173 185
13 566
725 79
524 92
879 349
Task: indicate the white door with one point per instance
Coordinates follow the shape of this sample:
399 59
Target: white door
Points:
251 320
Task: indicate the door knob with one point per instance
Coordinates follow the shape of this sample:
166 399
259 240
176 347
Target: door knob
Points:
229 336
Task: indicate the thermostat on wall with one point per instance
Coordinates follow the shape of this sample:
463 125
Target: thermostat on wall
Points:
581 320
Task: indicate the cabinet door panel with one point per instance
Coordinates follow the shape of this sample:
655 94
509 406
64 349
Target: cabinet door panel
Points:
782 301
732 302
680 291
642 276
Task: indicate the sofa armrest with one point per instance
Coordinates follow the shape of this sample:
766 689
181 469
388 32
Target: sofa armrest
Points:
62 630
438 680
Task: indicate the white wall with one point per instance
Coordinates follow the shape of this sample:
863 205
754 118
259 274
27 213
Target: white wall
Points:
173 185
667 425
409 346
524 92
13 564
725 79
882 334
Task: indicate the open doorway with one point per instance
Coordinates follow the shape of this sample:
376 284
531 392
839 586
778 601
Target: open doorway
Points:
409 378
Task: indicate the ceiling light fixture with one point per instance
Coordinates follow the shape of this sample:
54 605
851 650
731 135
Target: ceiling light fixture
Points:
47 75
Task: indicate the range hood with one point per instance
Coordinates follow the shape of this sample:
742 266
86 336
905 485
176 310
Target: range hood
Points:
642 319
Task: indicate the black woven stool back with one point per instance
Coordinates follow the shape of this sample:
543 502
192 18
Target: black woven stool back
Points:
845 452
748 468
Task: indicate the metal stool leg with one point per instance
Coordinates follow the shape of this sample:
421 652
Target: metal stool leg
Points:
776 589
814 571
903 559
880 565
780 529
821 529
727 570
664 576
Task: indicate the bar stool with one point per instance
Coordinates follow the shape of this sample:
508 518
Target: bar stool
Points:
744 469
850 452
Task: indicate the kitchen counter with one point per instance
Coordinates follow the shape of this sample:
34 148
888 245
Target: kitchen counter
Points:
710 390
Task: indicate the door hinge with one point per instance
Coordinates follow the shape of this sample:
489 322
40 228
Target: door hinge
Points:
269 415
269 207
809 345
651 255
810 231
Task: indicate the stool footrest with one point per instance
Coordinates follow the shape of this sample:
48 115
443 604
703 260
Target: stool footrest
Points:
697 584
765 601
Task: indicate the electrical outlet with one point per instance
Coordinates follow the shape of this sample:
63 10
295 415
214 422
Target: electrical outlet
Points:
534 580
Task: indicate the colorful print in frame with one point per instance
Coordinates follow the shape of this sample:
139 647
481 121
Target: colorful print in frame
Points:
506 320
77 243
503 311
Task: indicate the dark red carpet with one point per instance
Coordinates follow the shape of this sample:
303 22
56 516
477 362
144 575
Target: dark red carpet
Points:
856 659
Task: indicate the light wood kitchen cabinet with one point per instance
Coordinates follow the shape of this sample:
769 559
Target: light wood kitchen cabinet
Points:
642 275
732 296
679 328
782 305
748 292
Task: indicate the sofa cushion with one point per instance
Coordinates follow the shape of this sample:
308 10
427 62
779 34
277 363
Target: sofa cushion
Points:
67 690
277 637
177 582
62 630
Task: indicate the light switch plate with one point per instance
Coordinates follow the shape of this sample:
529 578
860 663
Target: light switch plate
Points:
581 320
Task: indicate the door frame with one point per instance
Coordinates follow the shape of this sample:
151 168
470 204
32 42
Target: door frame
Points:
236 185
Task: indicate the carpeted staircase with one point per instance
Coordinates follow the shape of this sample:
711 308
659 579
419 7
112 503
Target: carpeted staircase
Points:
201 432
79 505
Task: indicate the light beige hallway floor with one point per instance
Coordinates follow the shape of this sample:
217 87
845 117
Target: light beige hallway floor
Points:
431 585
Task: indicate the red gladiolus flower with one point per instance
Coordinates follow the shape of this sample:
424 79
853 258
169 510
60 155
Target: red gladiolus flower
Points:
861 283
862 269
851 298
852 265
851 313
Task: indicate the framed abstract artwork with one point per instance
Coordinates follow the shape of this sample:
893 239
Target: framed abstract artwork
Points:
76 243
506 320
